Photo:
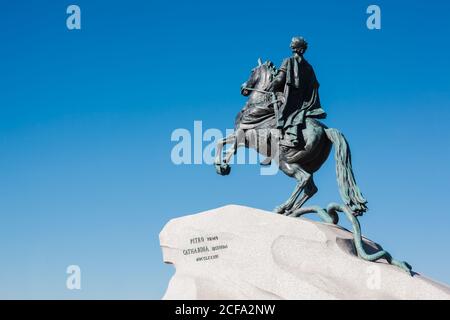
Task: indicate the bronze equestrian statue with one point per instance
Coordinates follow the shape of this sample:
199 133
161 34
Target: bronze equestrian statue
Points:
281 121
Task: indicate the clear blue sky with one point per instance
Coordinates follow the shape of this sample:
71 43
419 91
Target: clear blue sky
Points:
86 117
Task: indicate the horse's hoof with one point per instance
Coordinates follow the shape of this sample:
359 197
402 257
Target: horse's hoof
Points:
223 169
280 210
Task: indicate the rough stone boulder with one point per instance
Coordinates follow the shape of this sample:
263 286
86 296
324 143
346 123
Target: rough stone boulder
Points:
236 252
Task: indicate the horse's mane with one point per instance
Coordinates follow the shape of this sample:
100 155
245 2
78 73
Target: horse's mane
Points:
269 66
272 68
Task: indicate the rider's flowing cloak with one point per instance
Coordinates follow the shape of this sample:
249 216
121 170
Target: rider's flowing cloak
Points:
301 93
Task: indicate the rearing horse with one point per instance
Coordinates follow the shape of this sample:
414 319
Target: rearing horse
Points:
254 128
298 163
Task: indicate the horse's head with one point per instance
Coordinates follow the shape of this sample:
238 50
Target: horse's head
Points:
260 78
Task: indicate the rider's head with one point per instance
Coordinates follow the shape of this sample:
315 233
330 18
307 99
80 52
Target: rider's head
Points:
299 45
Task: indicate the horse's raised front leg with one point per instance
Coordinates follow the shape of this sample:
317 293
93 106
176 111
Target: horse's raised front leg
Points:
231 152
223 168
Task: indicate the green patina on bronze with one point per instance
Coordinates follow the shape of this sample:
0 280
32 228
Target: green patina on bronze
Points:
330 216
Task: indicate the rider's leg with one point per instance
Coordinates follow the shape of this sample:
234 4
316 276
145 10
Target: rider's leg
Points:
273 153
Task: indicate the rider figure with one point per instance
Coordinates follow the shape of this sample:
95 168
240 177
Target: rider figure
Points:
297 80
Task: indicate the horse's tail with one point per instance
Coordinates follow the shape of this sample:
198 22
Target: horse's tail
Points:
349 190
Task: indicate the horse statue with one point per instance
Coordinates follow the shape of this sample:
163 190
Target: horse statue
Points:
255 128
